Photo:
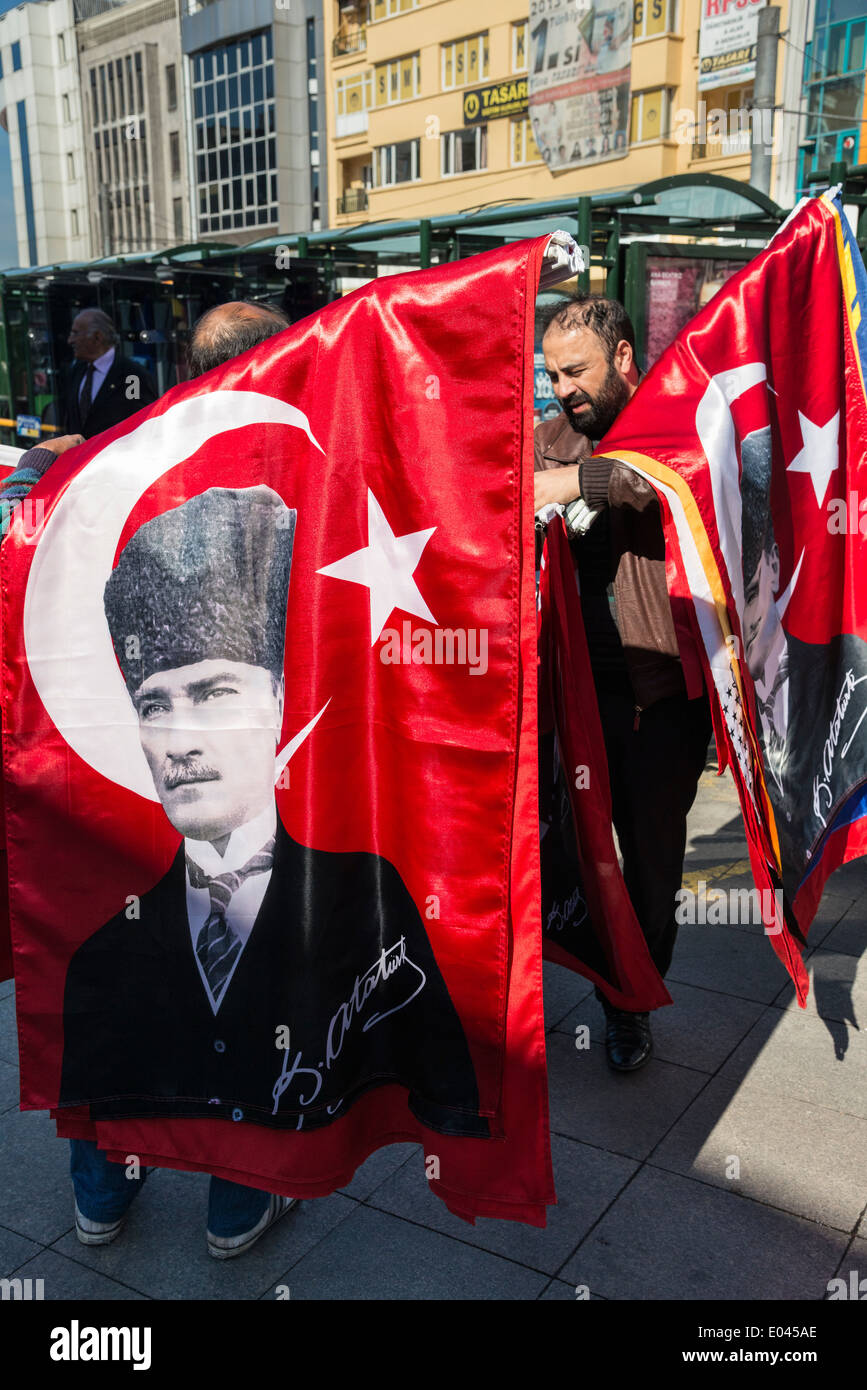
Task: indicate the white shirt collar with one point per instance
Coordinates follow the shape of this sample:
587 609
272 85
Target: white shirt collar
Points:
102 364
244 842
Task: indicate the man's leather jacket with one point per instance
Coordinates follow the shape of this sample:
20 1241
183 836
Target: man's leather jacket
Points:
641 601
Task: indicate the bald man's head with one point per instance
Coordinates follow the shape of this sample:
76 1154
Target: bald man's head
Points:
230 329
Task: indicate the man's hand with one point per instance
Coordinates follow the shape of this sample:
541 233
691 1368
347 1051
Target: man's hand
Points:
61 443
554 485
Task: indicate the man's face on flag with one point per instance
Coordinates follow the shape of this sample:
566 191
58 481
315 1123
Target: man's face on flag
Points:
590 387
760 612
209 733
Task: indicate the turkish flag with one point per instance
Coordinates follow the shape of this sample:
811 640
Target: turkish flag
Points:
753 429
269 727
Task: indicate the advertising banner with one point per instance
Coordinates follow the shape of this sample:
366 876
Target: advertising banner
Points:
727 44
580 71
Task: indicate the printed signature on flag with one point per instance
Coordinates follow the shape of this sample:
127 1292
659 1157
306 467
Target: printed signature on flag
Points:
389 960
822 789
561 916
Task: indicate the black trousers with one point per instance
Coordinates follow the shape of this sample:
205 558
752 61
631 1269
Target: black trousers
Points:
654 772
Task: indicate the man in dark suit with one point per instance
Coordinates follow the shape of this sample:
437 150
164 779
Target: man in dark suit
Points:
105 387
260 980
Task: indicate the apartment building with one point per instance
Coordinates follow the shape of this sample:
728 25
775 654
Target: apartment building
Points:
428 108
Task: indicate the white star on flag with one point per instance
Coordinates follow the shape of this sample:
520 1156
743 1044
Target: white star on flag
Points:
386 566
820 454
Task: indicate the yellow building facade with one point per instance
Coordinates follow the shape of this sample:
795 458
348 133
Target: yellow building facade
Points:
407 81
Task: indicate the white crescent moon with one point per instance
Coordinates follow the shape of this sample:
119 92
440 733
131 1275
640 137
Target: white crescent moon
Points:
66 638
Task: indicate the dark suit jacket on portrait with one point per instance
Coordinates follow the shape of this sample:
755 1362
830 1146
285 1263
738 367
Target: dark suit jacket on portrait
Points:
141 1038
810 797
110 404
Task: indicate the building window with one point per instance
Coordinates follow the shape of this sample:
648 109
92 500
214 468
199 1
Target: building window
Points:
649 116
396 163
313 125
652 17
171 87
524 149
519 46
61 45
70 165
74 222
67 109
464 151
178 216
834 89
397 81
121 154
386 9
353 99
235 144
16 57
464 61
175 153
726 125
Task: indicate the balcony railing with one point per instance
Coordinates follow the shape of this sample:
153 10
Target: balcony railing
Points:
353 200
350 41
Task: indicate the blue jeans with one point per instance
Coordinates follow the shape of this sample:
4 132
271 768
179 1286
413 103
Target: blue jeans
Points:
104 1192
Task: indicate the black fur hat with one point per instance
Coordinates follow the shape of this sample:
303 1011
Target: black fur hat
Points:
757 527
208 580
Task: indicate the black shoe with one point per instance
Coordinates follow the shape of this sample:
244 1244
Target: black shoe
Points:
628 1044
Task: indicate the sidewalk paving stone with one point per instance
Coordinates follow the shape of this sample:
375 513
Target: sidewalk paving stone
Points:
562 989
376 1256
9 1089
671 1237
162 1250
795 1054
780 1145
838 988
587 1181
14 1250
729 961
8 1031
626 1114
848 936
67 1279
35 1190
855 1261
378 1168
566 1292
698 1030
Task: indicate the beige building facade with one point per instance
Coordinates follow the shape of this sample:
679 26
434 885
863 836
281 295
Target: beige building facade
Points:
404 141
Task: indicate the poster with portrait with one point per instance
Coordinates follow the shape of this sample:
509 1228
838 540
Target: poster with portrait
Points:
580 74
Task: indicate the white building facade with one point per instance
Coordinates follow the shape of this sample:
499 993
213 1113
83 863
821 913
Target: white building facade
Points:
40 109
